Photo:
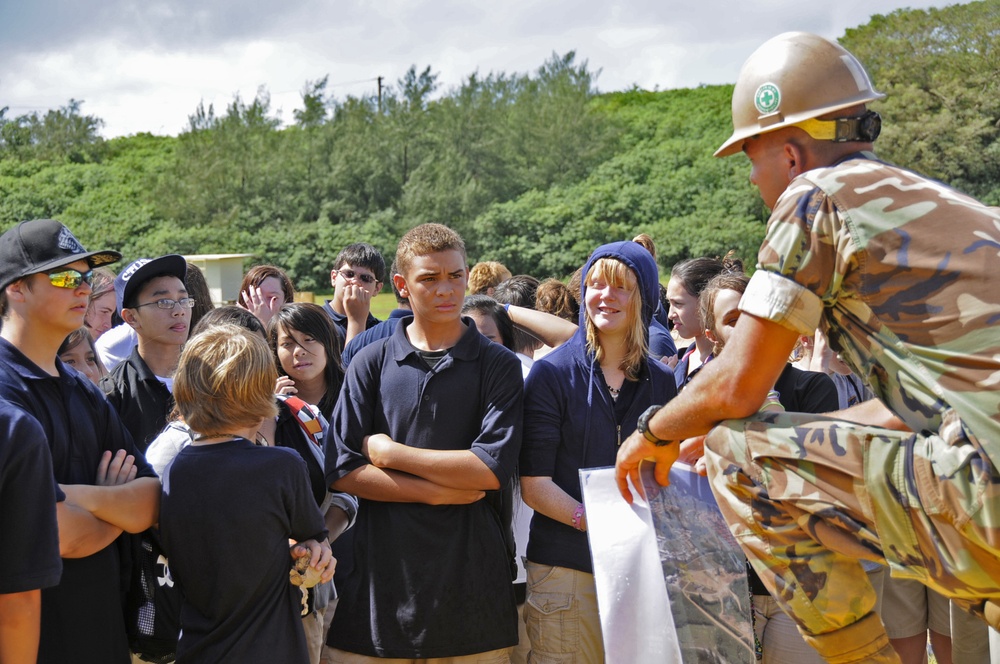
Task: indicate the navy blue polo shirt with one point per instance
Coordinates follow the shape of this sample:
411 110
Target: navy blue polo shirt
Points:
428 580
82 618
340 320
381 331
29 536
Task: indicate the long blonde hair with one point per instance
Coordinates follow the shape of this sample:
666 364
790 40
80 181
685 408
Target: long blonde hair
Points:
619 275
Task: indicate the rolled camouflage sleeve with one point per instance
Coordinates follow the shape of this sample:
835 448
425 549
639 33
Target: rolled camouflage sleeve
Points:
780 300
804 261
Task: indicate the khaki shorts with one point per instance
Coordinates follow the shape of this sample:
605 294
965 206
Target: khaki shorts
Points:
910 608
560 614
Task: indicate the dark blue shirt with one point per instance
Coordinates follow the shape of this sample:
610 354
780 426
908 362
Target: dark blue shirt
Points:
29 536
429 580
340 320
661 344
383 330
82 617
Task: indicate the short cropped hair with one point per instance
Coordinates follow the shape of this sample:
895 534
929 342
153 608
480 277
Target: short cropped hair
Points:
426 239
361 254
256 275
225 381
486 275
400 299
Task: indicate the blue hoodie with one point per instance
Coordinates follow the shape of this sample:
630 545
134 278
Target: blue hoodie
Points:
569 415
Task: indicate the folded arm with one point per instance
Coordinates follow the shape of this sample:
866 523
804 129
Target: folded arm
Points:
132 507
458 469
82 534
391 486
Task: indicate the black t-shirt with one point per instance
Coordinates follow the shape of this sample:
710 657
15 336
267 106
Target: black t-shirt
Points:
29 537
806 391
141 399
226 515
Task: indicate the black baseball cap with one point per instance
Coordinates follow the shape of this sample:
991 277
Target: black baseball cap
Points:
139 272
40 245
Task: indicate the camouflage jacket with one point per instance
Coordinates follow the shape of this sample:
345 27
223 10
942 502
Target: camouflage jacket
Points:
901 271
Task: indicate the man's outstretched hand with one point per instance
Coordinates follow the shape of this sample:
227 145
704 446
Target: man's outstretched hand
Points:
633 451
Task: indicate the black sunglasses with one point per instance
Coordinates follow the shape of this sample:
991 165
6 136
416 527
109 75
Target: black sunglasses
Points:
351 274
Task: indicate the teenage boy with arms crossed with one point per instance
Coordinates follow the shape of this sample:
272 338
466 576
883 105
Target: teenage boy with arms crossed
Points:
44 274
427 423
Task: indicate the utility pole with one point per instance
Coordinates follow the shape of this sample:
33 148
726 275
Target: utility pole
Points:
379 79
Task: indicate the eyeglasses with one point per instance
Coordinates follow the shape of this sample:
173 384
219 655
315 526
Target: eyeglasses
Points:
351 274
70 278
166 303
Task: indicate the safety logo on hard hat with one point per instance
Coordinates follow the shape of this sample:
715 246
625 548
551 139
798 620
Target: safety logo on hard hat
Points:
767 98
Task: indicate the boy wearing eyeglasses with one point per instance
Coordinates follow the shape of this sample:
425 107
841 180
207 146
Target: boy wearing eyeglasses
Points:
153 301
356 279
105 487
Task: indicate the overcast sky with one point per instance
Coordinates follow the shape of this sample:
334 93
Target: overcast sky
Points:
144 65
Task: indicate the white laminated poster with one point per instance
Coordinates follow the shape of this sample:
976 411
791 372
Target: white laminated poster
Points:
671 580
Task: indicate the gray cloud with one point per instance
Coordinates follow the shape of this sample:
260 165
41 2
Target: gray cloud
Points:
144 65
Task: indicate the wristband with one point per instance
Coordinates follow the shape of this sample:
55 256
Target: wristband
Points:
578 516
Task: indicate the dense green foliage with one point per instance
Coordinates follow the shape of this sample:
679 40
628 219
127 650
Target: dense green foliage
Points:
534 170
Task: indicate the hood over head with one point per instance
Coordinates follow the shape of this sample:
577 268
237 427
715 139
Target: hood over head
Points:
642 264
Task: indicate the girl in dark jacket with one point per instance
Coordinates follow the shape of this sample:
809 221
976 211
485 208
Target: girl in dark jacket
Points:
581 401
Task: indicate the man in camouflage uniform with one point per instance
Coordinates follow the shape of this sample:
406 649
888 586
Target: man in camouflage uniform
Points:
898 270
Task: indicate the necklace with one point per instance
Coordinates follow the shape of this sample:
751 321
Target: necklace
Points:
209 436
615 391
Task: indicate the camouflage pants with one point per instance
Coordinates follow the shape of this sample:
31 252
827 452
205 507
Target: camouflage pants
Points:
808 496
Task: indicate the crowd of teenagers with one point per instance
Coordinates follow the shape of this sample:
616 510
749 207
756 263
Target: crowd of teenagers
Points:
280 481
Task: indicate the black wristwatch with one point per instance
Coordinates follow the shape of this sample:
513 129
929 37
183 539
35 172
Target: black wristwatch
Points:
643 426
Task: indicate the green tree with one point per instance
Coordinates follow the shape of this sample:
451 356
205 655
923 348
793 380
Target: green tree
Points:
940 69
